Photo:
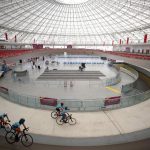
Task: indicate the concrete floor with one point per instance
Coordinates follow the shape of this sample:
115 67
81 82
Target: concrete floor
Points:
92 128
81 89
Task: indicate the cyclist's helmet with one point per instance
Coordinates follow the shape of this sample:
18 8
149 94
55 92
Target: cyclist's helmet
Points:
62 104
21 121
5 115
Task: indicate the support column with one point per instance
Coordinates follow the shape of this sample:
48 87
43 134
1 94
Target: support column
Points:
145 38
127 40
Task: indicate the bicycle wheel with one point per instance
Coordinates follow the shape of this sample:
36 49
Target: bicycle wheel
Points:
7 127
1 127
54 114
59 121
27 140
10 137
72 121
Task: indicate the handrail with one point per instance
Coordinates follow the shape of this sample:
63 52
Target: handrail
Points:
134 74
113 80
76 104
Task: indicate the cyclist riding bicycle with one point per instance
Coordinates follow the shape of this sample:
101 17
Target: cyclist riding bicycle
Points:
16 127
60 107
2 119
63 114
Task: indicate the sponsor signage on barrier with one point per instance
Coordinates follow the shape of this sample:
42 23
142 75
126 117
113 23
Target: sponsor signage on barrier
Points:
48 101
112 100
3 90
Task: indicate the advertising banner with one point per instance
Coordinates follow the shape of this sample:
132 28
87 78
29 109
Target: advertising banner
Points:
48 101
112 100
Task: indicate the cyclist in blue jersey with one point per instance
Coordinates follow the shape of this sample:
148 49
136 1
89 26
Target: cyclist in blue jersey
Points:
59 107
63 114
2 119
16 127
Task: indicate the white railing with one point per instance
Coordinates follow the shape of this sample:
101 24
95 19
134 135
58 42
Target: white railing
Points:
76 104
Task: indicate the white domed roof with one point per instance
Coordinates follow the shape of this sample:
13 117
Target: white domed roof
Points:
85 22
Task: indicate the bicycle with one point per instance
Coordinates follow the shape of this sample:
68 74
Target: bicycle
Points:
6 125
55 114
69 119
26 139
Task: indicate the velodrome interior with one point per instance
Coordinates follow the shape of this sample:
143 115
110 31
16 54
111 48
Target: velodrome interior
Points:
100 72
114 127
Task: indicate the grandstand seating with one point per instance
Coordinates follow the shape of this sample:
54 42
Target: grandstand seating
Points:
130 55
12 53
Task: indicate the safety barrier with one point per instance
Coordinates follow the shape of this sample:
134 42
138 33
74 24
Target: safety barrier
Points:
128 87
75 104
134 99
113 80
74 62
